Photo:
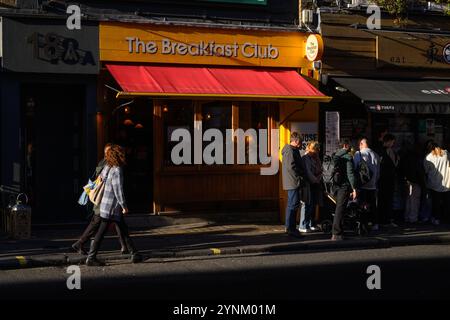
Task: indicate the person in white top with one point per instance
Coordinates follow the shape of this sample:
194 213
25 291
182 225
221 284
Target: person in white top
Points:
437 173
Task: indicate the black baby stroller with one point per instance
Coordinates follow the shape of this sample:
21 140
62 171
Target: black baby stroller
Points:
356 215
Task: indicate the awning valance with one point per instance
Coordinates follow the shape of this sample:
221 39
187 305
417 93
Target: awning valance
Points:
213 82
395 96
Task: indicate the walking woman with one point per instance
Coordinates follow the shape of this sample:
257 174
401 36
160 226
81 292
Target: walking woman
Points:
312 193
437 172
94 224
113 205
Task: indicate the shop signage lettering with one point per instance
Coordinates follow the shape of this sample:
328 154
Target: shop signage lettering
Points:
55 48
314 47
379 107
446 53
168 47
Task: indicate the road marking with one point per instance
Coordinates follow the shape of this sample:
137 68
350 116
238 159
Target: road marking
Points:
22 260
215 251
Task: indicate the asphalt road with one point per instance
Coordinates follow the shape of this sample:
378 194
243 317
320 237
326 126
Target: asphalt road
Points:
416 272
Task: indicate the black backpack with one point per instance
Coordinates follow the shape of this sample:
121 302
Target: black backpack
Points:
364 172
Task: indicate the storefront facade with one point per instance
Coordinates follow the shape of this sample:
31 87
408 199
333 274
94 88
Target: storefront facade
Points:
387 80
156 79
48 109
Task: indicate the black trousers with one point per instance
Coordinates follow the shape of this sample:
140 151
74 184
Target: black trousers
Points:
92 228
385 201
370 198
342 195
103 229
440 202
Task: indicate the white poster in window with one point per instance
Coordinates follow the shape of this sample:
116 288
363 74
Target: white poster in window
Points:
332 133
308 131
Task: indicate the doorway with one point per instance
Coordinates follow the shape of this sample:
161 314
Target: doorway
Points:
53 150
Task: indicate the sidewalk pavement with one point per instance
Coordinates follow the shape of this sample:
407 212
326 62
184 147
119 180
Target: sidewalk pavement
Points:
160 238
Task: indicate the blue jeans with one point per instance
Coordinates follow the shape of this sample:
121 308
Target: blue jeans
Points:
292 207
307 216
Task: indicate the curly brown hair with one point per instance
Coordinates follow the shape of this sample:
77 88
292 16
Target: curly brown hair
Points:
115 156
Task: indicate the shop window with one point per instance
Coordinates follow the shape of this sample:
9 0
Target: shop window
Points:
254 115
217 115
176 114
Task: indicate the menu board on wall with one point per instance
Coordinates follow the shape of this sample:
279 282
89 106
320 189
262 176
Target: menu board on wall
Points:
308 131
332 132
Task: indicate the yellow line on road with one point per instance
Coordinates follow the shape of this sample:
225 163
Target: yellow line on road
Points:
22 260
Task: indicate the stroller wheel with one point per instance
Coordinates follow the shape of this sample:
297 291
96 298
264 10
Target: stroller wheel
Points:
326 226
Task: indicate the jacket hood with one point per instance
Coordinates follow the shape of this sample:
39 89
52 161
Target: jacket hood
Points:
341 152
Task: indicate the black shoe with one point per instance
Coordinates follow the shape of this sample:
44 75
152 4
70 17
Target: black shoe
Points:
79 249
124 251
136 257
295 234
93 262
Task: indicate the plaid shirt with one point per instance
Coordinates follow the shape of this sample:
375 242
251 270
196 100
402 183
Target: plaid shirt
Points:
113 200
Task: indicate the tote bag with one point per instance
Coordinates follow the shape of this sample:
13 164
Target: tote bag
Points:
96 194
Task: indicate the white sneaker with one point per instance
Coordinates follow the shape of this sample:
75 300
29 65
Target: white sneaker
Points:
314 229
436 222
303 230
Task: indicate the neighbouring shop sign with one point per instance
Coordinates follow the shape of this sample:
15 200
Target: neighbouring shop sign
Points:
49 47
413 50
308 131
190 45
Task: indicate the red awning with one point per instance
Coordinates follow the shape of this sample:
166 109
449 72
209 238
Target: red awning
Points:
213 82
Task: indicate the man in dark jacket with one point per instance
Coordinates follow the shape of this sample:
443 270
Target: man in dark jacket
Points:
345 185
292 181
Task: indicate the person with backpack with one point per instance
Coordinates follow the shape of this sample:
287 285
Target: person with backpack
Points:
367 167
344 185
94 224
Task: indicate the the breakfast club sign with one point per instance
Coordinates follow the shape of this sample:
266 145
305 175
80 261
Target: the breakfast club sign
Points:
194 45
202 48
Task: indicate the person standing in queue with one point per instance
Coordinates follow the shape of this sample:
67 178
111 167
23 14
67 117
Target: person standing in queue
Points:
344 182
293 171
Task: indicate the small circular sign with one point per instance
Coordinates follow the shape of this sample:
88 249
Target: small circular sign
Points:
446 53
314 47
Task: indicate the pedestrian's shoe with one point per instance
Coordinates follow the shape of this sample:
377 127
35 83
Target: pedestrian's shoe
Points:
294 233
136 258
94 262
435 222
79 249
314 229
304 230
335 237
124 251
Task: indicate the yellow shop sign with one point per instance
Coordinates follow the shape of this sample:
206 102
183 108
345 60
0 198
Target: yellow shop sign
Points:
189 45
